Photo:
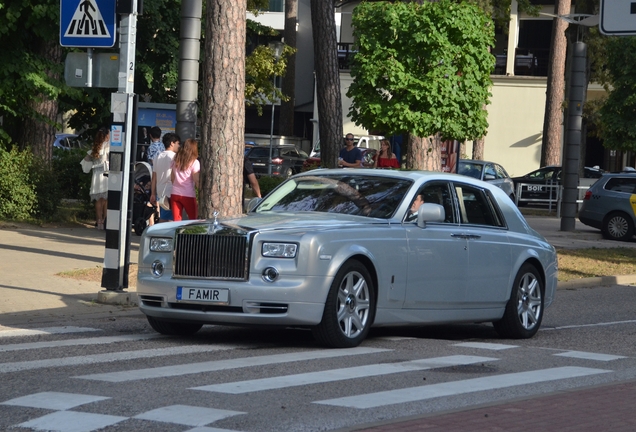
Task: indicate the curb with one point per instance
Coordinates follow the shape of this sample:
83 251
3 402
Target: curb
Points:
598 281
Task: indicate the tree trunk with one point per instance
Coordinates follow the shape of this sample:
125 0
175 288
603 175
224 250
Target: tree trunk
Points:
555 93
286 122
39 133
323 24
478 148
424 153
223 122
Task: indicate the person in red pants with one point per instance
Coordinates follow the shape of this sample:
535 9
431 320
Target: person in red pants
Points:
185 181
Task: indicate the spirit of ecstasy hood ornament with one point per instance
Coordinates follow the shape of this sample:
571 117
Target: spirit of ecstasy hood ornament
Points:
216 222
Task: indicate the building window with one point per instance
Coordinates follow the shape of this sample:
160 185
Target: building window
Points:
276 6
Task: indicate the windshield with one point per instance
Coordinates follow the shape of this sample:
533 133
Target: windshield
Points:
362 195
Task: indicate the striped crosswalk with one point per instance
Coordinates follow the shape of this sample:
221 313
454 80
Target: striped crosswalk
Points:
307 367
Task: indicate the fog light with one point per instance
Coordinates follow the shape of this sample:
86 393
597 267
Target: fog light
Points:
270 274
157 268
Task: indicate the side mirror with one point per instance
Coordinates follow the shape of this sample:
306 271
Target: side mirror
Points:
429 212
253 203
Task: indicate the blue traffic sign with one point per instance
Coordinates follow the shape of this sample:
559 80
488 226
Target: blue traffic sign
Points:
87 23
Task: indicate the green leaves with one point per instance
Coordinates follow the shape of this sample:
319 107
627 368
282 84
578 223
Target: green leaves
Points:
422 68
616 116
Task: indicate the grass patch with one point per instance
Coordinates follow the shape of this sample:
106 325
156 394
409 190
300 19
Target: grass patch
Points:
94 274
595 262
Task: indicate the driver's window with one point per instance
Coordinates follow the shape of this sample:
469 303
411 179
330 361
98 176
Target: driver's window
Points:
433 193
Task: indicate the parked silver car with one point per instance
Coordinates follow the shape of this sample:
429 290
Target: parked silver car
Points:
610 205
488 171
341 250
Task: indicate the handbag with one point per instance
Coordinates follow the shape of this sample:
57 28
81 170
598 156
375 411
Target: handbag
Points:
87 164
164 201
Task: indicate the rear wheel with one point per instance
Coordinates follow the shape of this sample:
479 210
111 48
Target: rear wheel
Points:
173 328
524 310
349 308
618 226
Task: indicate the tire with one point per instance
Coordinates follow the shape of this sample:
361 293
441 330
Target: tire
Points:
173 328
618 226
349 309
524 310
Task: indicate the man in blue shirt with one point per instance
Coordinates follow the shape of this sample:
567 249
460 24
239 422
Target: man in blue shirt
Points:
156 146
350 156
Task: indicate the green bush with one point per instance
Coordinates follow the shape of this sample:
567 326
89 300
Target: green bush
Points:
18 198
74 183
47 190
268 184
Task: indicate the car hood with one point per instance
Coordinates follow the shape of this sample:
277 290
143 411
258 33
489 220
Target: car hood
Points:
275 221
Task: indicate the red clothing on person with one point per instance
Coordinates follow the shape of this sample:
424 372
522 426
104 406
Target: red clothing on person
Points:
382 162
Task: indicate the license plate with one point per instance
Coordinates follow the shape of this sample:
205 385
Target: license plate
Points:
212 295
258 164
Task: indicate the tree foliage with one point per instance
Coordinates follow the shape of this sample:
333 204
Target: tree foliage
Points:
424 69
616 116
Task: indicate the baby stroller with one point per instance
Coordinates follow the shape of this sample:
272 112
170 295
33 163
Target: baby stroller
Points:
142 210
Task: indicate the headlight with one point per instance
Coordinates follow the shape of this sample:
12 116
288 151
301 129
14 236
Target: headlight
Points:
279 250
159 244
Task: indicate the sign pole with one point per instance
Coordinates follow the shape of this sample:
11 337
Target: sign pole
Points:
122 107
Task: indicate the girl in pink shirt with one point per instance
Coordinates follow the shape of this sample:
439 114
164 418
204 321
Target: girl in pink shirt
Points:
185 178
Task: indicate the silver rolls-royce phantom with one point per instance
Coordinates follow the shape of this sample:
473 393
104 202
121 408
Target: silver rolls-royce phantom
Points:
339 251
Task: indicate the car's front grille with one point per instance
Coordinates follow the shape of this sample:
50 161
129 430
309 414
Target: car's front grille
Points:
220 254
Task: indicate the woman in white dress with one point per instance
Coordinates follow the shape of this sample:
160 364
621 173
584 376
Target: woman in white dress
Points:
99 183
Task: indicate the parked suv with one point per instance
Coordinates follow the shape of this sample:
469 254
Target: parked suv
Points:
287 160
488 171
609 205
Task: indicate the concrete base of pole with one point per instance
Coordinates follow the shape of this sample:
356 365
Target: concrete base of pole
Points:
122 298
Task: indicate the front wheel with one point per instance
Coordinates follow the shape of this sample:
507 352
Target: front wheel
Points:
349 309
524 310
173 328
618 226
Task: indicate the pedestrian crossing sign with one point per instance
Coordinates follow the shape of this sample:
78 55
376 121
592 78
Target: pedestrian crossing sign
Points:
87 23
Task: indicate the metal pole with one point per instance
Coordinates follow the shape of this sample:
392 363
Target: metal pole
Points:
189 54
271 131
573 136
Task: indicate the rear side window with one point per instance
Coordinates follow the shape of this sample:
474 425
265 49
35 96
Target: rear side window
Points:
621 184
477 207
262 152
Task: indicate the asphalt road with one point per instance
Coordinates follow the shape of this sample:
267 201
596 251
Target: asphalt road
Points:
235 379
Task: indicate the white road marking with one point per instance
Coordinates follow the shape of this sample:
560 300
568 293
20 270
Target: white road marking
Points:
107 358
53 400
71 421
453 388
45 331
340 374
76 342
212 366
488 346
187 415
610 323
589 356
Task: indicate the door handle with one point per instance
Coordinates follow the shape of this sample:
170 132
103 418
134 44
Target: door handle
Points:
461 236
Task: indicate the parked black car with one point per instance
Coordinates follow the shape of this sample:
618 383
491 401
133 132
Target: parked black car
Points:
287 160
542 184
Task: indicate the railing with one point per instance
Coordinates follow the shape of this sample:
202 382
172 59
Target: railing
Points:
554 198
